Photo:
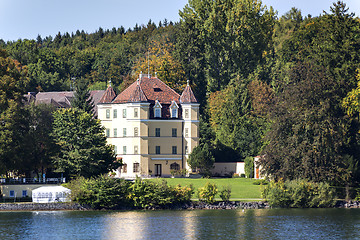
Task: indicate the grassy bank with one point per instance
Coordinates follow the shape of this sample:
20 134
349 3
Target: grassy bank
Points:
241 188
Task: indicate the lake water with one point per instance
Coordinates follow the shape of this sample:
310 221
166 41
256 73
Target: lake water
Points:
197 224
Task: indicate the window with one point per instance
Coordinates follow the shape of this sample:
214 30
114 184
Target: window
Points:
124 132
157 109
24 193
157 149
174 149
186 132
157 132
107 113
174 166
12 193
174 109
124 113
186 113
107 132
158 112
124 150
186 150
174 132
124 168
136 167
174 113
115 113
115 132
136 149
115 149
135 112
136 131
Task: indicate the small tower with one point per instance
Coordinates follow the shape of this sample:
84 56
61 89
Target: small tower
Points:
190 115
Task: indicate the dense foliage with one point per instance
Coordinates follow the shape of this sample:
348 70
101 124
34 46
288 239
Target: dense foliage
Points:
285 88
82 144
13 125
208 193
299 193
113 193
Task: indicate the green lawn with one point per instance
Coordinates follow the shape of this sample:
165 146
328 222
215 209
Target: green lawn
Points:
241 188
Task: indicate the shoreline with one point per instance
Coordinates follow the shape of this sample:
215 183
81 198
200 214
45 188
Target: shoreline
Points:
30 206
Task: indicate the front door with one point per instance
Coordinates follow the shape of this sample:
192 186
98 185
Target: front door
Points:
158 170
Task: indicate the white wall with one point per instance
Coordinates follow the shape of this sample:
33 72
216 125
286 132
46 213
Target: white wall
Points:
225 168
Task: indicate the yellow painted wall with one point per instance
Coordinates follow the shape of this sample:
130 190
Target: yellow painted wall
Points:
18 188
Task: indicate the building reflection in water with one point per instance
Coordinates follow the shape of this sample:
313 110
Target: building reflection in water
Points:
150 225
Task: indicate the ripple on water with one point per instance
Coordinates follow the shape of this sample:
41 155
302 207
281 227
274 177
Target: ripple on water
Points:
197 224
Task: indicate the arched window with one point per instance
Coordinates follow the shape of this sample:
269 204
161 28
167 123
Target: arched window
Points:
174 166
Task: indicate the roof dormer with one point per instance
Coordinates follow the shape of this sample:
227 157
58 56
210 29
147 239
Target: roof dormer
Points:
174 109
157 109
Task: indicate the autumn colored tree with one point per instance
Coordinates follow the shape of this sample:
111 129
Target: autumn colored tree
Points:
13 124
160 60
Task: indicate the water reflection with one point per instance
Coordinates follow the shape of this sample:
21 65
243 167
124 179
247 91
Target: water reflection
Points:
199 224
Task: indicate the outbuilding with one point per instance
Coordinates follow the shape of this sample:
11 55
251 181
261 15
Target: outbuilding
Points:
51 194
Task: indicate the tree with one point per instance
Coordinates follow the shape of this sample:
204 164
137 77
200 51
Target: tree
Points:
235 126
159 59
82 99
82 143
232 36
40 147
202 159
13 124
310 136
249 167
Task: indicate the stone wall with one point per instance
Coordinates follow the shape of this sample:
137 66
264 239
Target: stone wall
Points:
39 206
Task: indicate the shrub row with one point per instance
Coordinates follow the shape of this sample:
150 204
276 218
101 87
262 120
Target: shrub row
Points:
113 193
299 194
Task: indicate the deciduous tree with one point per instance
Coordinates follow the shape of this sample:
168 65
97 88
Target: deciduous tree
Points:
82 143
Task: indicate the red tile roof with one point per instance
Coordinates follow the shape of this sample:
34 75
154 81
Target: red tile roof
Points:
108 96
148 90
187 95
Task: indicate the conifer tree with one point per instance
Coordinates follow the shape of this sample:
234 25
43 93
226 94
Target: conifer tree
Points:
82 99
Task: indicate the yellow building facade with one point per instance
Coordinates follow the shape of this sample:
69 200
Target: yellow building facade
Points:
153 128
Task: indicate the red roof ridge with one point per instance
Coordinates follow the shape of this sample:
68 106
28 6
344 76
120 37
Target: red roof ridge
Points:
146 90
188 95
108 96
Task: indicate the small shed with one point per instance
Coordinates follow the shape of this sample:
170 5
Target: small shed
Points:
51 194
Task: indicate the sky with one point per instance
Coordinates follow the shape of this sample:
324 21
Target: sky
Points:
25 19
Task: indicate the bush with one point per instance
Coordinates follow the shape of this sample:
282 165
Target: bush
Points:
249 167
299 194
113 193
101 192
225 193
235 175
276 194
148 194
181 172
260 182
207 193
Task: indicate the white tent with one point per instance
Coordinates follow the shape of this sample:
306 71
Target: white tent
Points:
51 194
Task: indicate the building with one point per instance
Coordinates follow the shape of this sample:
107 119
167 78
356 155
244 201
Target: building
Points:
153 128
61 99
228 169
